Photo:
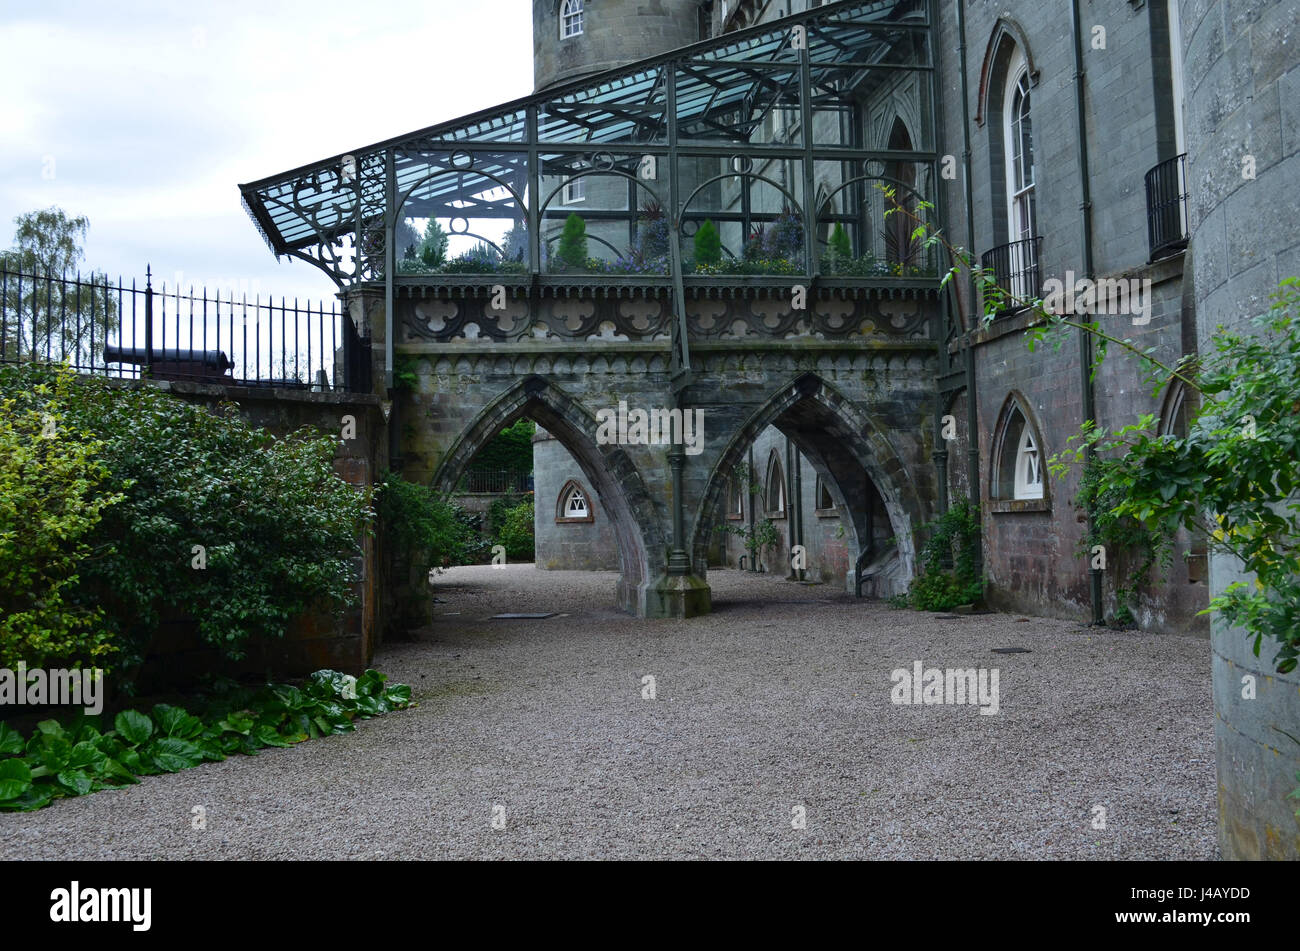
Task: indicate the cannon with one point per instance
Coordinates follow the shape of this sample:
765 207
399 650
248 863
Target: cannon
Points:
174 363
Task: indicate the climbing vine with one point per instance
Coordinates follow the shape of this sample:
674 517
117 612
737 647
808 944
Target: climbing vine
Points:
949 560
1132 547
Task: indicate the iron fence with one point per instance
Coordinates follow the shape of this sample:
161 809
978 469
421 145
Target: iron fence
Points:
1166 186
496 482
111 328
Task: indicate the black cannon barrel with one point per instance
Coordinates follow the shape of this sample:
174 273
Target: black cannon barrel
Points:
215 359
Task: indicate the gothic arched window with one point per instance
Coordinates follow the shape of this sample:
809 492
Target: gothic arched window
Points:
570 18
574 504
1019 459
774 492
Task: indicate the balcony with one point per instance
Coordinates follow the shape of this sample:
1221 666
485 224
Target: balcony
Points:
1015 268
1166 186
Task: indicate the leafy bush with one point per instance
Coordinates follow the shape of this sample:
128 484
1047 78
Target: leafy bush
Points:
422 526
572 251
652 234
784 237
1233 477
514 529
277 527
708 245
948 559
51 503
58 762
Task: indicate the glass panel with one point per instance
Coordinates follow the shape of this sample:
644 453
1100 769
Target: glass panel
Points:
603 213
751 105
511 126
462 213
855 236
742 215
628 110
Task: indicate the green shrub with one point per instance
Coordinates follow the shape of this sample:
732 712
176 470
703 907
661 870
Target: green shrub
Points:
423 526
708 245
948 561
572 251
51 502
276 527
514 529
838 246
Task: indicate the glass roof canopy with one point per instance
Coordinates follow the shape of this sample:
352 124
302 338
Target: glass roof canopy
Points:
778 135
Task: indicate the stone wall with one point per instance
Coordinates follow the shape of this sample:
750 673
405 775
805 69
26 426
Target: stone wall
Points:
1243 108
615 33
562 543
1032 553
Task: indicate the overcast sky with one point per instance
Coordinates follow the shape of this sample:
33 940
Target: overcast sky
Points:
145 116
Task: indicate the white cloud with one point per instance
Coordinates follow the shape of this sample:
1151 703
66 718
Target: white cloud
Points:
153 112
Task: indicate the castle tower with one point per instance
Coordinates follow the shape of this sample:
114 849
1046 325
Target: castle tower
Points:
573 38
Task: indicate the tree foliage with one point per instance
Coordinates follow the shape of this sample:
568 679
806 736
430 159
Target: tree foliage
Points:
218 520
510 450
424 527
41 316
51 503
708 244
572 250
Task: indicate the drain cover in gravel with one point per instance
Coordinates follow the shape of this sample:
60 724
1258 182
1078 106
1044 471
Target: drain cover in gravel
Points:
1012 650
519 617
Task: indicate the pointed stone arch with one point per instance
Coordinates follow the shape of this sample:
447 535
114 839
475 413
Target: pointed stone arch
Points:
840 440
607 469
1007 35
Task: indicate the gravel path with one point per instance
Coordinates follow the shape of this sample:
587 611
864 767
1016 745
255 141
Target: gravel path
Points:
779 699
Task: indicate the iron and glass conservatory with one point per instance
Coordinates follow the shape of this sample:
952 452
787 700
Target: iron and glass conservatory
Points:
754 160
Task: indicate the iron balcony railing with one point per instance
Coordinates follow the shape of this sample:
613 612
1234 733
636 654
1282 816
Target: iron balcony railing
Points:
102 327
1015 268
1167 206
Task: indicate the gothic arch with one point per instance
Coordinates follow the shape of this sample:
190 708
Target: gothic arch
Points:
607 469
836 437
1006 36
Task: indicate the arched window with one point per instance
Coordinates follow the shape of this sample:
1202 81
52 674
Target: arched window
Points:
574 504
825 501
735 498
1181 406
570 18
774 492
1019 459
1029 467
900 246
1018 137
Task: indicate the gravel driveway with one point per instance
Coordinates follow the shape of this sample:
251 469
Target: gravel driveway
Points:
775 707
